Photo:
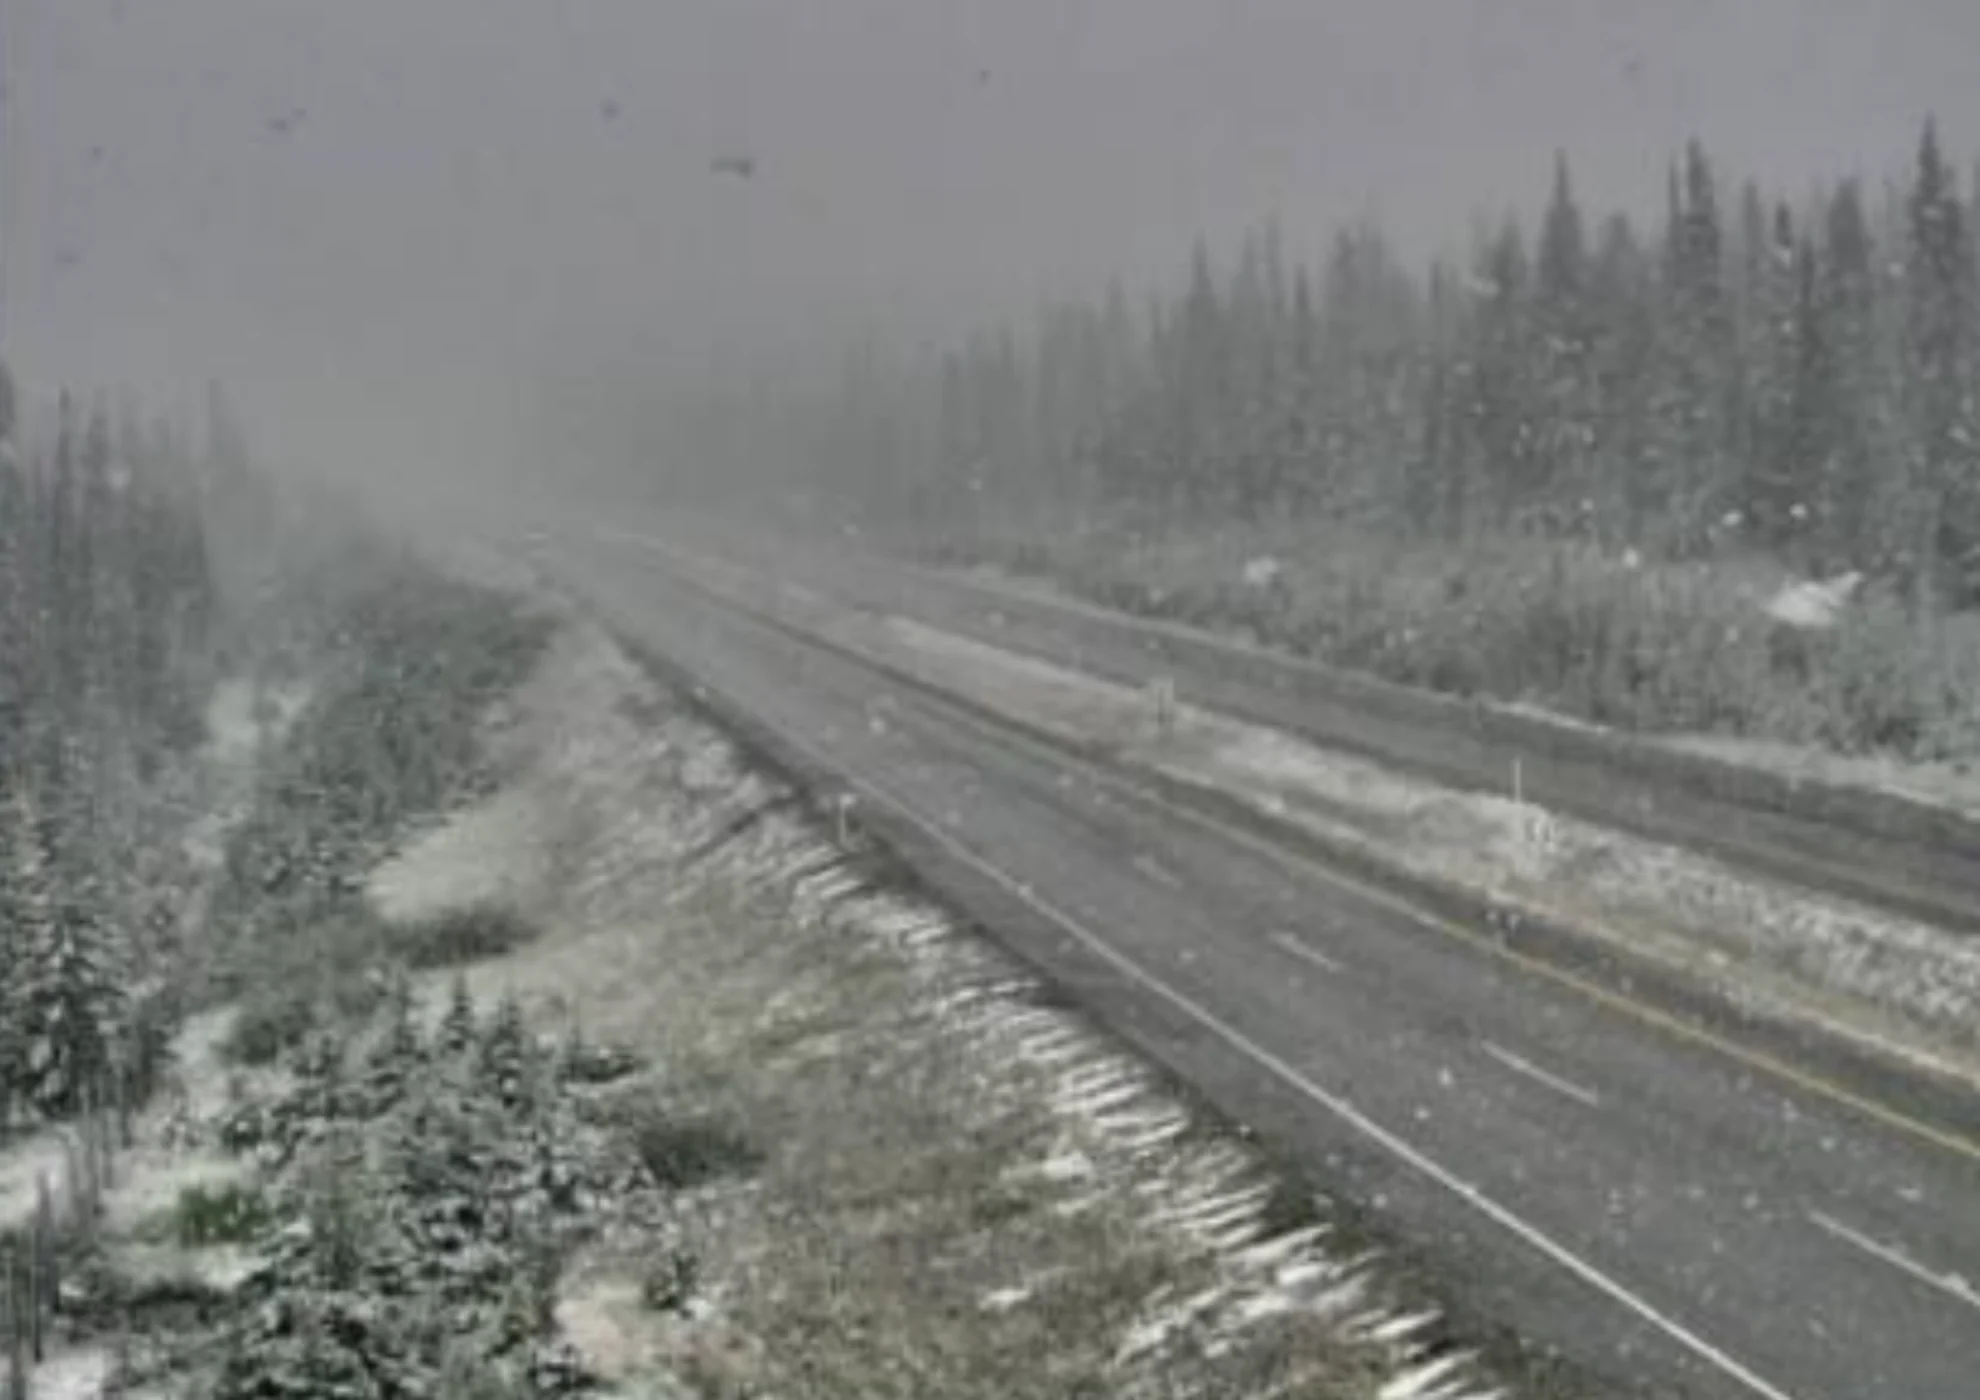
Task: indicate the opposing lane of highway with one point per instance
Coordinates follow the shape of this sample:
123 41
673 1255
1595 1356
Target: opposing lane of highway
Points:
1925 865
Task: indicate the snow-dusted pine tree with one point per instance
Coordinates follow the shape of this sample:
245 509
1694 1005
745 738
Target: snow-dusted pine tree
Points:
457 1028
65 999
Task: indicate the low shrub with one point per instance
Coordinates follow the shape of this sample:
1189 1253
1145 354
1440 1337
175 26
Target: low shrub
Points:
265 1028
584 1063
1588 634
232 1213
670 1285
685 1153
461 936
295 984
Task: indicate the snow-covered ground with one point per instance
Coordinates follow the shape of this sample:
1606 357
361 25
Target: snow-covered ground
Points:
915 1099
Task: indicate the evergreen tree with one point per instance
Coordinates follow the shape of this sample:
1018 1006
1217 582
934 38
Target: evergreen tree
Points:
1500 412
1942 515
458 1031
67 997
398 1052
1568 412
18 673
1200 383
1855 527
1623 338
1563 258
1781 437
1814 425
503 1066
1702 406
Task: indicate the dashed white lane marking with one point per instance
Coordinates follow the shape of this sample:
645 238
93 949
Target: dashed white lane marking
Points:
1519 1064
1158 872
1305 952
1954 1286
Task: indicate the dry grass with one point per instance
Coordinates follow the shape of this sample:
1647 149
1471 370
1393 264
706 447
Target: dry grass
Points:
1569 628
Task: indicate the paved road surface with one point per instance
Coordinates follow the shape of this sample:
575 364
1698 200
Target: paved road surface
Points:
1651 1209
1912 859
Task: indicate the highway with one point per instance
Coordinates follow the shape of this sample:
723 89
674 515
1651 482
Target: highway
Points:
1648 1207
1906 857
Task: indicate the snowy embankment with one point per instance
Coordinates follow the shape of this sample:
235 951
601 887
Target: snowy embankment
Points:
911 1094
1905 987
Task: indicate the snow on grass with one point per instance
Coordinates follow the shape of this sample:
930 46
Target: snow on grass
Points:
76 1374
220 780
1953 784
1902 985
962 1193
148 1176
488 852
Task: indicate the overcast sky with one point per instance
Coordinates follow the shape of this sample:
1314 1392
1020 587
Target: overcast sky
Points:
404 223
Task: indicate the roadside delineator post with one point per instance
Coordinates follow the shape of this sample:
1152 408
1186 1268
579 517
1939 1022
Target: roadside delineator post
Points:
1162 696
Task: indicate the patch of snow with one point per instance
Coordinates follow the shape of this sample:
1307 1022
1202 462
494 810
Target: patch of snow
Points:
1004 1299
81 1374
1263 571
1813 606
1955 786
490 852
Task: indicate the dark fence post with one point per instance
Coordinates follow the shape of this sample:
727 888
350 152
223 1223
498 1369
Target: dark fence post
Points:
45 1261
14 1303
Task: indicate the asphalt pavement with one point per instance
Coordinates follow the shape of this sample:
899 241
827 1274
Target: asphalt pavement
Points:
1654 1211
1912 859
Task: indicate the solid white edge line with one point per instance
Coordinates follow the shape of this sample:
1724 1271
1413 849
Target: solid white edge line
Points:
1952 1285
1291 943
1519 1064
1341 1108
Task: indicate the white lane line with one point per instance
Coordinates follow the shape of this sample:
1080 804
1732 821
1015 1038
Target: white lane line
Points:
1291 944
1519 1064
1155 870
1397 1146
1954 1286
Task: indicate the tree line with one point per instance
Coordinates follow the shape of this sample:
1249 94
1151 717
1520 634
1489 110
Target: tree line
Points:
1794 376
106 614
